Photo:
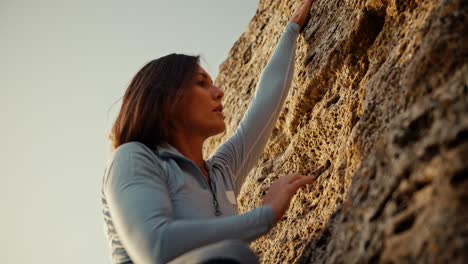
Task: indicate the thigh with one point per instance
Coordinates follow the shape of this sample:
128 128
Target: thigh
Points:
227 251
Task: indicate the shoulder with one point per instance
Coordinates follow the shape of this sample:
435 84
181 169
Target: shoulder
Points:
131 161
130 148
135 152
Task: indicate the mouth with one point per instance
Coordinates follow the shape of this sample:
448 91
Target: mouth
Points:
219 108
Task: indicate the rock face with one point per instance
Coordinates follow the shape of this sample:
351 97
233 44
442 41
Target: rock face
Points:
378 110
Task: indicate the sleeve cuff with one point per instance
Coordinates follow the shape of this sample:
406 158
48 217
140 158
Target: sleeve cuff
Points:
269 216
293 27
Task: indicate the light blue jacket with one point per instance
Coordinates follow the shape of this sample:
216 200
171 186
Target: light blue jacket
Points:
157 204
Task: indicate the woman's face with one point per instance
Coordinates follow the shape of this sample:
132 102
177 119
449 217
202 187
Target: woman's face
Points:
200 110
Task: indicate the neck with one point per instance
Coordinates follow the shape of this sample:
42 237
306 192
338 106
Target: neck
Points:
191 147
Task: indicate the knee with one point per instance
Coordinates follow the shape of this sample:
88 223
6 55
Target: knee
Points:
234 244
233 252
224 252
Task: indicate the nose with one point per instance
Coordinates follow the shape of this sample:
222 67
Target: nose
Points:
218 93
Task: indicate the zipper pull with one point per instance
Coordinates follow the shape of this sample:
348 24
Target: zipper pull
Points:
216 205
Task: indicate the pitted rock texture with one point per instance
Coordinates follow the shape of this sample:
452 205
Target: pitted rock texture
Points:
378 112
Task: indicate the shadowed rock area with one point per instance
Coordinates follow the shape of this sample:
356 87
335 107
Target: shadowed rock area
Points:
378 113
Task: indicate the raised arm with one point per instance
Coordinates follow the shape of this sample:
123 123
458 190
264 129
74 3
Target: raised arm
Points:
243 149
241 152
139 203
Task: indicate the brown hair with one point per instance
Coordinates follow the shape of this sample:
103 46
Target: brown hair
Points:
150 99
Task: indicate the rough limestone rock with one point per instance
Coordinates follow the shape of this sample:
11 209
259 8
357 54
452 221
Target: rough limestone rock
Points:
378 113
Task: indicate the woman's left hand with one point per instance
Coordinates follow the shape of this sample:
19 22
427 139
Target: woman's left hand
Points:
282 190
301 15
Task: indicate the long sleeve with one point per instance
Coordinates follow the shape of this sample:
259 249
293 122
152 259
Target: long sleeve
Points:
241 151
140 205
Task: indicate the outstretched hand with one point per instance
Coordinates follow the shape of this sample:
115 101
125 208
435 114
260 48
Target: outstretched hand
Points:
282 190
302 13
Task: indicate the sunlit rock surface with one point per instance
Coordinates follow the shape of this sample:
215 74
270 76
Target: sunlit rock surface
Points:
378 109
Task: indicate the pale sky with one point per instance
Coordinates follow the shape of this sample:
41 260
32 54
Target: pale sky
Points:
63 64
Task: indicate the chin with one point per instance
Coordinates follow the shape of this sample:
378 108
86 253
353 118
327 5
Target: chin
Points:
222 128
219 129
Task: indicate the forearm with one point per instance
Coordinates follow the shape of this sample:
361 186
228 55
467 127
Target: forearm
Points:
260 118
179 237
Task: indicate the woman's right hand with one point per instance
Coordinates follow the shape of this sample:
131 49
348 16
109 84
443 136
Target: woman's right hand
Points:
301 15
282 190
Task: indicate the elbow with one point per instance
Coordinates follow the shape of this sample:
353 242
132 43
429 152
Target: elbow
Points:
148 247
146 252
162 252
